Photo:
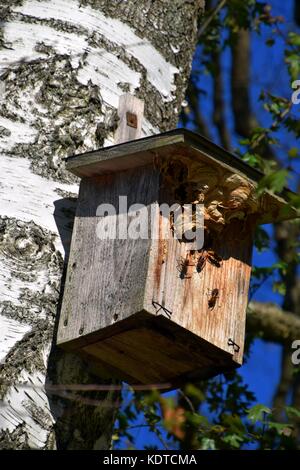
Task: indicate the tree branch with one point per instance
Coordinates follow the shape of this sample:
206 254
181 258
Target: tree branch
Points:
272 323
244 119
193 98
219 117
209 19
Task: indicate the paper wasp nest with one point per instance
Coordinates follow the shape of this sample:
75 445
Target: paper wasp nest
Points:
225 195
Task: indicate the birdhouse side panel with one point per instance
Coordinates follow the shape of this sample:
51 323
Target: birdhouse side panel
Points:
108 263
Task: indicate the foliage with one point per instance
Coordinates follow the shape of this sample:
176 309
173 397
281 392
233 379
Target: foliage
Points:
233 422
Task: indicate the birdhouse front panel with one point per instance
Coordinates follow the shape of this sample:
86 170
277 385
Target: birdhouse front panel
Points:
145 295
205 291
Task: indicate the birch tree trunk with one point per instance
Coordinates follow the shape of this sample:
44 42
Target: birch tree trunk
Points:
63 66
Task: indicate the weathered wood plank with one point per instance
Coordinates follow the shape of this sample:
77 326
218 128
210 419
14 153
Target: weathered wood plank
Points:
157 142
187 297
113 159
158 353
106 278
130 112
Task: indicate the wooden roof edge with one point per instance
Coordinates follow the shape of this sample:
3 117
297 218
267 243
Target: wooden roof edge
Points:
173 137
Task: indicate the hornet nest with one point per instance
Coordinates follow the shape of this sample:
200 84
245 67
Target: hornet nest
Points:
225 195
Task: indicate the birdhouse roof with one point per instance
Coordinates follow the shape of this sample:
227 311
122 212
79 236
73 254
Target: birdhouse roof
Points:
186 144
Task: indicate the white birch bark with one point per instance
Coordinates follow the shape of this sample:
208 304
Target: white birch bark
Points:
63 66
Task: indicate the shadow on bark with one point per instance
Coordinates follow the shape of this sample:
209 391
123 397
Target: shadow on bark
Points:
83 418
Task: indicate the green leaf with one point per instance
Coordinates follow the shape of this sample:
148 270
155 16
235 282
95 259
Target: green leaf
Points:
275 108
275 181
279 287
281 428
294 39
293 152
259 130
197 420
207 444
234 440
291 411
194 392
294 200
251 158
234 423
244 141
218 429
257 413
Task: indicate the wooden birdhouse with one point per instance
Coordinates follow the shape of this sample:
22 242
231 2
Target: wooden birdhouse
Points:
151 306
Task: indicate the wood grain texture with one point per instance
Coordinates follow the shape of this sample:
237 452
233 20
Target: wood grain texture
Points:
159 352
129 105
106 278
187 297
108 310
